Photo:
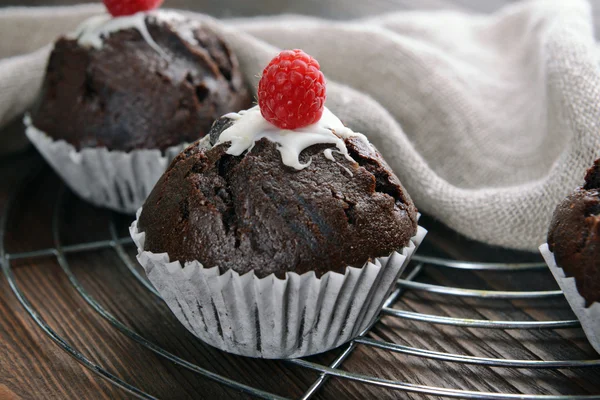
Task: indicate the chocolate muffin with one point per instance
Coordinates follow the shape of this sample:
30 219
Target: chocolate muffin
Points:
252 212
148 86
272 241
574 236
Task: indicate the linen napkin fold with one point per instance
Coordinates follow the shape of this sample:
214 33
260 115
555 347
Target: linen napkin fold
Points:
488 120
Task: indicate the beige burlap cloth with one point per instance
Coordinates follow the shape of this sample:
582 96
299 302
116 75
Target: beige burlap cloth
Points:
488 120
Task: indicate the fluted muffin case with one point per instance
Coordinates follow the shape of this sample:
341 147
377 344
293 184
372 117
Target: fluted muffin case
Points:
296 316
588 316
114 179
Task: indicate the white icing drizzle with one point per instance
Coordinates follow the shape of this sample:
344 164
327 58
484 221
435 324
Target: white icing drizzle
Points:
249 126
328 153
183 26
93 31
204 143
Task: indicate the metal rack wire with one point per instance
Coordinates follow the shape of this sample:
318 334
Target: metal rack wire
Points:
325 371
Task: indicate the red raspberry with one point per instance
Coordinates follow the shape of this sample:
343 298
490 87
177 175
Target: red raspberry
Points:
118 8
291 92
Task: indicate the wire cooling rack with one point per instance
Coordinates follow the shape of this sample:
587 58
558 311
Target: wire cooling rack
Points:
407 283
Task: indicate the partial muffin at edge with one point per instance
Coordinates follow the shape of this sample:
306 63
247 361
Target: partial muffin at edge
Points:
574 236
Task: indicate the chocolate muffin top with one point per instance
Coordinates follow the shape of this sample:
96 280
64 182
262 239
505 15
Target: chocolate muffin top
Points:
253 212
574 236
148 87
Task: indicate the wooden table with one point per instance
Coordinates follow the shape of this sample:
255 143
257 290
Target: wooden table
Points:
32 366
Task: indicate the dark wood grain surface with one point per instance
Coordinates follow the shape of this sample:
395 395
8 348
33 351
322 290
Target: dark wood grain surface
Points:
33 367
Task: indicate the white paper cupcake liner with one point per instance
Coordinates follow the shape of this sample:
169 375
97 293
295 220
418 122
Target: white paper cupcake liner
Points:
271 317
113 179
588 316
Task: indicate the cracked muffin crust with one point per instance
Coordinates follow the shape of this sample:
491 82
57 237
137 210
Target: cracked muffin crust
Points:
126 95
574 236
252 212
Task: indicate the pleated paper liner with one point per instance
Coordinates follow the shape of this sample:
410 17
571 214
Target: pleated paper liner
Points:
113 179
588 316
270 317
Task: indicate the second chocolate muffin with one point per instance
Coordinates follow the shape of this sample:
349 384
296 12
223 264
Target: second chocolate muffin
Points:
152 81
